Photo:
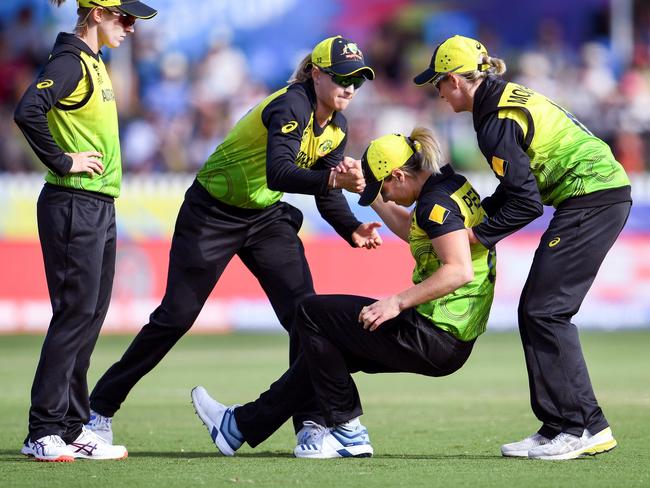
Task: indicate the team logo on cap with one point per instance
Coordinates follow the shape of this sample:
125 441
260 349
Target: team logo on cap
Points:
286 128
352 51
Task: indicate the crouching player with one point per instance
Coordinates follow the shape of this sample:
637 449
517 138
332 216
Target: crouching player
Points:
429 328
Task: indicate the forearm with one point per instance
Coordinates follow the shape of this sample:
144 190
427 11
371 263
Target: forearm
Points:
448 278
396 218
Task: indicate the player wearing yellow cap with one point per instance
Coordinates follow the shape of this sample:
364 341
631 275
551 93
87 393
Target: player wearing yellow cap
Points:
429 328
289 142
542 155
69 118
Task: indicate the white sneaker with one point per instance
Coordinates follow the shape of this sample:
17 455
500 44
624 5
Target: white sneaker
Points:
100 425
346 440
563 446
219 420
89 445
50 448
598 443
521 448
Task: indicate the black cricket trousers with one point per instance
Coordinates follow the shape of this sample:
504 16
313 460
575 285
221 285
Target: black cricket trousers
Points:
564 267
208 234
334 345
77 234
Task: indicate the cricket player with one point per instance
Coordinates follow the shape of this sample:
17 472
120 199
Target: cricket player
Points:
290 142
542 155
430 328
69 117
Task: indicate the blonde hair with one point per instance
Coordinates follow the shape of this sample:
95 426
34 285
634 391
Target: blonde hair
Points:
497 67
428 156
303 71
83 13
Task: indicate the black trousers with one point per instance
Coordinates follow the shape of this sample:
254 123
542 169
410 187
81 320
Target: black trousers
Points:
208 234
334 345
77 234
562 272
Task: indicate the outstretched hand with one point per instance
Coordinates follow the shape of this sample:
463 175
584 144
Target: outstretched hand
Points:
366 235
86 162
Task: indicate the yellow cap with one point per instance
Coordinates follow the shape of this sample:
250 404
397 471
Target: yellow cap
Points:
341 57
380 159
457 54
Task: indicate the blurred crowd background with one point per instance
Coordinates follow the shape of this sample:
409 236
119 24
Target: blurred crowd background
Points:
188 75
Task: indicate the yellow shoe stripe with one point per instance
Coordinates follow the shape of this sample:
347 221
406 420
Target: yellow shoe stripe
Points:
602 447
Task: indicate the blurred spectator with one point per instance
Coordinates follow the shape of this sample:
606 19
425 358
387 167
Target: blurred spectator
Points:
184 106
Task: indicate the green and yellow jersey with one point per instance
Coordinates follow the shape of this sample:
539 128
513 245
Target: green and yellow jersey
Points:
541 154
71 108
448 203
278 147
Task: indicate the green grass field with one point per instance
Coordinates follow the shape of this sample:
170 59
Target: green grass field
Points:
425 431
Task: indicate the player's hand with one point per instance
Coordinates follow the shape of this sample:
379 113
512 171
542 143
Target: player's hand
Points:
86 162
350 179
348 163
375 314
366 235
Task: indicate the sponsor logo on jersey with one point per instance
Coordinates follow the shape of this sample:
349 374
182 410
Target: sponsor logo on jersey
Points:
554 242
44 84
499 166
438 214
108 95
286 128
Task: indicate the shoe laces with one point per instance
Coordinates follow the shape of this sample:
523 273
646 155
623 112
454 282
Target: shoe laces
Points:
54 440
564 439
312 433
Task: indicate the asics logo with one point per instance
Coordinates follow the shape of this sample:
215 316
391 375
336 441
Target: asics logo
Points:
87 449
44 84
286 128
554 242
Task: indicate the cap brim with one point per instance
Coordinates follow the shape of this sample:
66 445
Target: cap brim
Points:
348 68
137 9
427 76
370 193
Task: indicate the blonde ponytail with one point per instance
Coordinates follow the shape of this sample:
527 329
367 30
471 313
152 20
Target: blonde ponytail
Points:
497 67
428 156
303 71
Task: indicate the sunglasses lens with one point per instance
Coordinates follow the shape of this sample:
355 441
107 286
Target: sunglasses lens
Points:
127 20
346 81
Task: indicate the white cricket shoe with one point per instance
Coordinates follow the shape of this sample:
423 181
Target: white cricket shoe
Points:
566 446
219 420
598 443
345 440
50 448
100 425
521 448
89 445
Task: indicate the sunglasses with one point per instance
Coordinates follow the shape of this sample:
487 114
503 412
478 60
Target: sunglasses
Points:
440 80
125 19
345 81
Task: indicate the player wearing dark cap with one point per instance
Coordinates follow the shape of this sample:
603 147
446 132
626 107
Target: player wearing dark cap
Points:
289 142
429 328
69 117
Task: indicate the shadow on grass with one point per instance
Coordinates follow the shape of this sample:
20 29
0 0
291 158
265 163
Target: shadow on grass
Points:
196 455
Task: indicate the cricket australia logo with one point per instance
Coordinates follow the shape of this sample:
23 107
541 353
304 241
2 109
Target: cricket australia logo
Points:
325 147
352 51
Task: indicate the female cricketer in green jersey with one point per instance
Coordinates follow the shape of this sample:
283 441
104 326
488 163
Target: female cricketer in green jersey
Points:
542 155
429 328
289 142
69 118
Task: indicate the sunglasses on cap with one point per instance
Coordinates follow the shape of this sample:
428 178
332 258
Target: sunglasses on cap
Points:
125 19
345 81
